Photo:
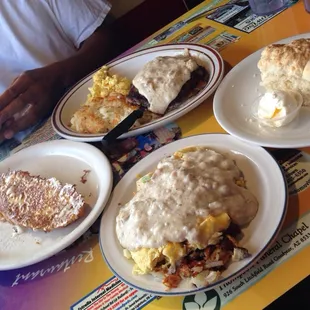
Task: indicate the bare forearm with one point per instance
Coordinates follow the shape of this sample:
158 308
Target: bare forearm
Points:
98 49
39 89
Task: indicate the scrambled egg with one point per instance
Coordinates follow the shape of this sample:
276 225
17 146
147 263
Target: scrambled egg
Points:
104 84
146 259
212 225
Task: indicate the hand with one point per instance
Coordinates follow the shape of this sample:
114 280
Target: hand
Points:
31 97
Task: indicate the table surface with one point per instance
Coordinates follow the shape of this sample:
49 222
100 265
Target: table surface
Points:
37 286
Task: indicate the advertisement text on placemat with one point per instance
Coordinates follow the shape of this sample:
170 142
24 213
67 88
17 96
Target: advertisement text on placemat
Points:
114 294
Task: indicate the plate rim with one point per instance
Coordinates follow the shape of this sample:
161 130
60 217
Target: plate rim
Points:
208 90
236 133
71 144
241 270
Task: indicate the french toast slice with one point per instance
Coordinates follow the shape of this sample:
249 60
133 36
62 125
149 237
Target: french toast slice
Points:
38 203
2 219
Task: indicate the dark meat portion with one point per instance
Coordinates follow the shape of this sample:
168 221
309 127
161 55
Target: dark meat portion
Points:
135 98
233 230
199 78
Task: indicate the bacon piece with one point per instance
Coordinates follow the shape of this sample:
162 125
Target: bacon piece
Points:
172 280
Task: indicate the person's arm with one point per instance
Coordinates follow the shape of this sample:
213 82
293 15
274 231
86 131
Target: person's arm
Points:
99 48
34 93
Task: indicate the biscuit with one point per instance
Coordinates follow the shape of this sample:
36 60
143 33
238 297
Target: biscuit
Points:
282 67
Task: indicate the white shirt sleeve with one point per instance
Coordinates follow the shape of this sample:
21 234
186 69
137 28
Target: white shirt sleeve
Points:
79 18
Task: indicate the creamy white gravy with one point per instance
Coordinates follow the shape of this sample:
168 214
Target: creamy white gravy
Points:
181 191
161 80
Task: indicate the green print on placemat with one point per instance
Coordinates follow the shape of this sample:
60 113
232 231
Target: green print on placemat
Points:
209 300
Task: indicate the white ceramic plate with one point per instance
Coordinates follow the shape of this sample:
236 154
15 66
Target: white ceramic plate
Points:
129 66
66 161
232 108
264 178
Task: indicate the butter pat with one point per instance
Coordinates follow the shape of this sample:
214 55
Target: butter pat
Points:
278 108
276 104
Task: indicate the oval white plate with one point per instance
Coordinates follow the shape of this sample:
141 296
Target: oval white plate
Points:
264 178
129 66
66 161
232 108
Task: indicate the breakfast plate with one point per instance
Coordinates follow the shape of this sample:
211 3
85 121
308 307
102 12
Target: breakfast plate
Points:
128 66
232 108
67 161
264 179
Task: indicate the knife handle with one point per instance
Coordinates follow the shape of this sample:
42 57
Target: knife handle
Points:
122 127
